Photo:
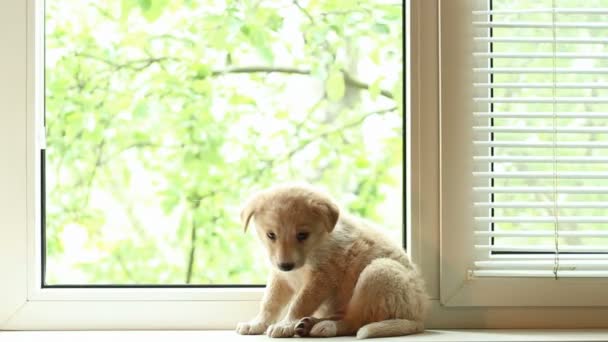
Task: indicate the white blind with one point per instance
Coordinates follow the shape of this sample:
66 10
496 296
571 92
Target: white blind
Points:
540 139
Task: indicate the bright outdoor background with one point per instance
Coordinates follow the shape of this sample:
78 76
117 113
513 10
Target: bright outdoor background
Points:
162 116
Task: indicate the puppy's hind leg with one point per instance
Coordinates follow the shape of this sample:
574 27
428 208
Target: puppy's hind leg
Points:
304 325
388 300
330 328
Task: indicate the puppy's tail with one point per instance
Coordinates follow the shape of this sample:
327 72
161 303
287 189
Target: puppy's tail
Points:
391 327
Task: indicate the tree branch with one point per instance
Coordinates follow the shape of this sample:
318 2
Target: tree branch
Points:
192 251
136 64
193 236
141 64
348 78
123 266
303 10
260 69
351 124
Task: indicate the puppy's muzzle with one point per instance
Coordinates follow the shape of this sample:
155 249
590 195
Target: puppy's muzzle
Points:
286 266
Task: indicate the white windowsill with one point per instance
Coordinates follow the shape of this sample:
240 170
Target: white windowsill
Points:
198 336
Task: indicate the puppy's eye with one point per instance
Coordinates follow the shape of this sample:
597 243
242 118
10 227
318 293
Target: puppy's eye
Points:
302 236
271 236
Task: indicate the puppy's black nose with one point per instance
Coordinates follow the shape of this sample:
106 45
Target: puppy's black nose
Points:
286 266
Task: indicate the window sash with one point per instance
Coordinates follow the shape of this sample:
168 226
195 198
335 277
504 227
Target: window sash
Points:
24 303
466 174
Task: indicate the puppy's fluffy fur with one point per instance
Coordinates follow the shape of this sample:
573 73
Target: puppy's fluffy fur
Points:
346 278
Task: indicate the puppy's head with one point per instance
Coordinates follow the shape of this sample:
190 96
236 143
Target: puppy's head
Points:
290 220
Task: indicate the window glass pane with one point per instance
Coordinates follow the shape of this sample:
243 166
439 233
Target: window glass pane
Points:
162 116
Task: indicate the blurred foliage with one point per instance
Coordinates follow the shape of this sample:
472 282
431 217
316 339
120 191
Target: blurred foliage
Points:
162 116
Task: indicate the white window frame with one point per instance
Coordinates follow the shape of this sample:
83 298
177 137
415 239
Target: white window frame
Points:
24 305
440 47
457 238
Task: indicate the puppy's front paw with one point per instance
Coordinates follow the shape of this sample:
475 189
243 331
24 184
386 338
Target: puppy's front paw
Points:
251 328
281 329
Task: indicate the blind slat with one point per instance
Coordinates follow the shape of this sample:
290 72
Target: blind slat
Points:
535 159
544 264
524 85
547 233
593 71
582 100
543 175
538 273
536 205
542 115
543 219
549 256
538 40
534 24
526 144
540 55
545 10
544 189
545 249
507 129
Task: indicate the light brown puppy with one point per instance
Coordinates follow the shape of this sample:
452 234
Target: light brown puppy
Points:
333 273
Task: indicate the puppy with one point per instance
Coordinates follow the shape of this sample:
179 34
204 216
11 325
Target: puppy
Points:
333 274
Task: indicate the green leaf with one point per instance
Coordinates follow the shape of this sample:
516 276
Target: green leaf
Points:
126 175
281 114
274 22
169 202
374 88
266 53
152 9
340 5
335 86
374 55
361 162
259 39
381 28
140 110
125 8
238 99
200 86
201 70
140 137
144 5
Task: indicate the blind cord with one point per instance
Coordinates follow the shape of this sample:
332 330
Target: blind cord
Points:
555 195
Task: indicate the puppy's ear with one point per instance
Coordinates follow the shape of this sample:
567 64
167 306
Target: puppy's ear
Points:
327 210
246 215
251 206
